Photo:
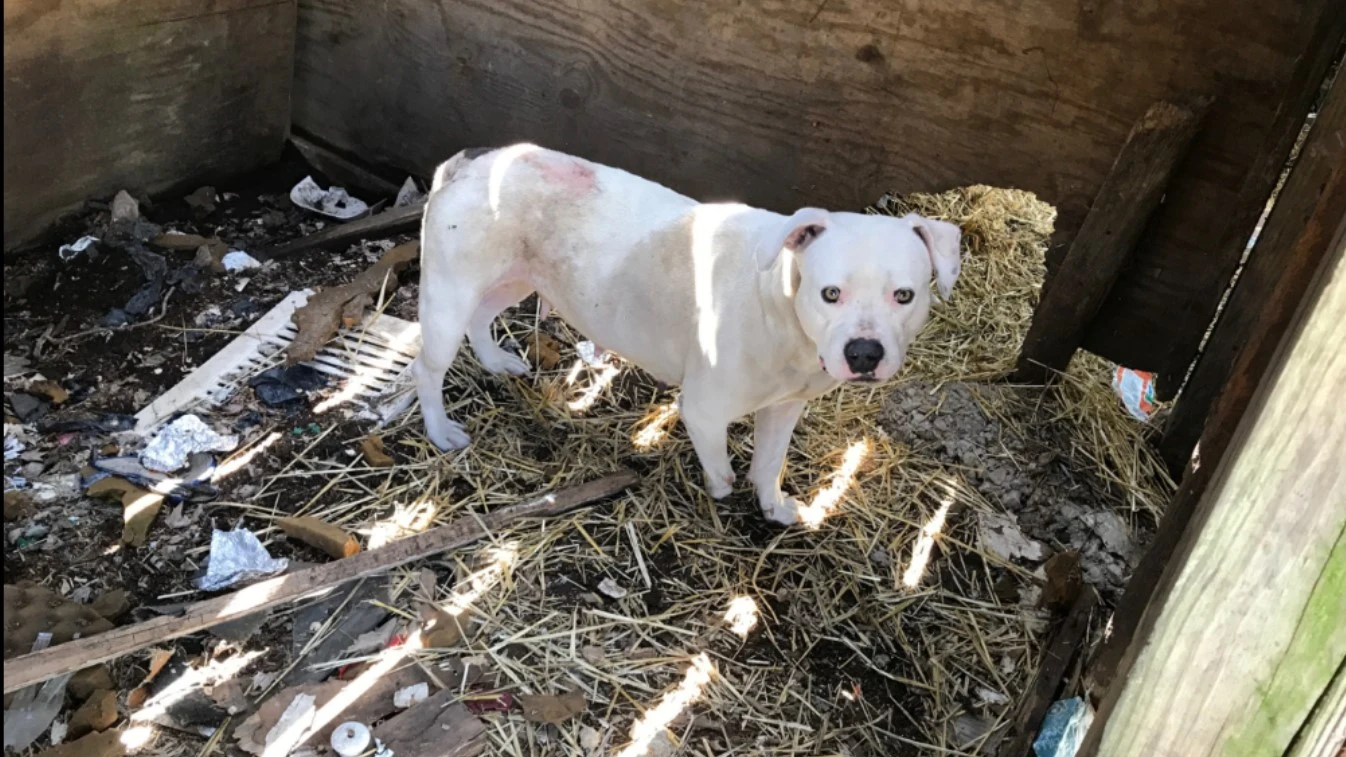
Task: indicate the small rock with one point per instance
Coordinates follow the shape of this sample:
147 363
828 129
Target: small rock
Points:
84 683
124 207
612 588
99 713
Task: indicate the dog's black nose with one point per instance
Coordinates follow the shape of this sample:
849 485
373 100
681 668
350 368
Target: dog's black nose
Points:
863 355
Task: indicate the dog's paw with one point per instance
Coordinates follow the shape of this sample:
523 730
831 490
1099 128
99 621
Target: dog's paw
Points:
719 487
783 511
502 362
447 435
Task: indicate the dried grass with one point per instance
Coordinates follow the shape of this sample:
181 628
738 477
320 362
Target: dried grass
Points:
855 651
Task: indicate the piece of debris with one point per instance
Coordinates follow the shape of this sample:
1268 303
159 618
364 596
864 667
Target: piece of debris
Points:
139 506
373 450
59 730
69 252
591 354
590 739
612 588
1064 728
109 423
433 728
99 713
158 660
84 683
124 207
230 696
105 744
1064 580
210 257
176 519
440 629
327 311
192 483
1001 536
350 739
283 385
31 611
411 695
170 449
547 351
593 655
112 604
18 505
238 260
28 408
50 391
553 709
202 201
333 202
323 536
1111 528
237 557
409 194
32 709
182 242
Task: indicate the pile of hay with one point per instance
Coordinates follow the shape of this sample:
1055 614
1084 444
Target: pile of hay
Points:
881 632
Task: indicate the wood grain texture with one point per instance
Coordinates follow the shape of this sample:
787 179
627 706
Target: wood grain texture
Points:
103 95
36 667
1116 220
1296 238
1248 631
1065 645
783 103
391 221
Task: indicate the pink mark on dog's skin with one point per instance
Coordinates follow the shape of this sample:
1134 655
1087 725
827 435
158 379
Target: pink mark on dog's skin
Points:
567 172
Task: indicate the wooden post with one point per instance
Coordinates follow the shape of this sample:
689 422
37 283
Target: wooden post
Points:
1242 650
1297 237
1076 290
1289 250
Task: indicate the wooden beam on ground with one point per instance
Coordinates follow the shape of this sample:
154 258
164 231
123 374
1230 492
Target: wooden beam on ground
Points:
1288 252
341 169
1298 236
1059 653
391 221
1133 189
79 654
1246 635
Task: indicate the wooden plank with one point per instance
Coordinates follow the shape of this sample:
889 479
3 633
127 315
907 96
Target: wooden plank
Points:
138 95
391 221
1301 232
794 102
1288 252
1164 302
343 170
1248 630
1130 193
76 655
1060 652
1325 733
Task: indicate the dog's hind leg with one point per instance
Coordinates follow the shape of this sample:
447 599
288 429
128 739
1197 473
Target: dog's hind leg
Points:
443 324
492 356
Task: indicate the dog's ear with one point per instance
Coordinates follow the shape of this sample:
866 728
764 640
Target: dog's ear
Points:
795 234
942 243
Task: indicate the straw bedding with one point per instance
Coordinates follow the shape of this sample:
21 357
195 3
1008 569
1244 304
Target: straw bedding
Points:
854 651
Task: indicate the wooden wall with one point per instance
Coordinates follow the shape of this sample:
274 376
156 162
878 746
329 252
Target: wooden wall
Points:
102 95
786 102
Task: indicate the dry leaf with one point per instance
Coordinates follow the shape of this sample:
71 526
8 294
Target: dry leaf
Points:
554 709
547 351
375 455
139 507
158 659
175 518
319 319
53 391
440 629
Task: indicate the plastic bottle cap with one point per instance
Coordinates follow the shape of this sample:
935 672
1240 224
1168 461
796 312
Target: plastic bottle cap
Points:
350 739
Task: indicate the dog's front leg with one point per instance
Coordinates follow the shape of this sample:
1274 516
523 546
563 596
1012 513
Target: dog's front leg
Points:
709 431
774 426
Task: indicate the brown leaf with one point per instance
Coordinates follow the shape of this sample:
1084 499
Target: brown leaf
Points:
437 727
374 452
180 242
547 351
320 535
554 709
1064 580
18 504
97 714
158 659
319 319
139 507
440 629
53 391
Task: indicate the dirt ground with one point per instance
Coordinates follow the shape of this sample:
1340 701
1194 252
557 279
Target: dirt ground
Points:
846 658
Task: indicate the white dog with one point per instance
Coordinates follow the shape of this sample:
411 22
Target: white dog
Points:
749 311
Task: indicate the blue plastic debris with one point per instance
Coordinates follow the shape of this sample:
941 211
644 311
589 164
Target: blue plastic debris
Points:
1064 728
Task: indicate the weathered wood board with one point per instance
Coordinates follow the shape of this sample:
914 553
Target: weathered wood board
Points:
102 95
790 102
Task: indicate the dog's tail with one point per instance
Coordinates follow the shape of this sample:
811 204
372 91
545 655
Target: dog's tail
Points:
449 168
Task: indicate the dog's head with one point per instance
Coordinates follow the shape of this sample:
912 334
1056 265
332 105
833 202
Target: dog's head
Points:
861 284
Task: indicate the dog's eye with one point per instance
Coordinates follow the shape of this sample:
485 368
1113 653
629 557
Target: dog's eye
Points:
831 294
903 296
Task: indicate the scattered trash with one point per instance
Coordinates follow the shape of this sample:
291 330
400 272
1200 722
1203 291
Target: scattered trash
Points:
159 658
84 683
34 708
553 709
238 260
350 739
32 611
1111 528
373 450
18 505
191 483
237 557
333 202
612 588
312 429
210 257
124 207
284 385
591 354
440 725
990 697
440 629
13 448
173 445
16 365
411 695
1000 535
59 730
69 252
498 702
50 391
1064 580
28 408
323 536
182 242
547 351
98 713
1136 390
1064 728
409 194
593 654
112 605
332 308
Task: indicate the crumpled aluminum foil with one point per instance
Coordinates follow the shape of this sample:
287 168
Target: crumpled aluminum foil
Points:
237 557
173 446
